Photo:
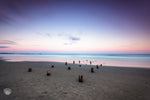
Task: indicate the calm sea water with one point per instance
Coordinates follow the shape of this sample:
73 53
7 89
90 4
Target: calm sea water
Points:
125 60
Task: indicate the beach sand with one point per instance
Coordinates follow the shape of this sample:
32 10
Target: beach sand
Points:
106 83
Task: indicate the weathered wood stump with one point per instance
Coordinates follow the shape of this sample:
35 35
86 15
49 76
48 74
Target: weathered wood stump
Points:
80 78
69 68
52 66
97 66
48 73
66 63
92 70
29 69
90 62
73 62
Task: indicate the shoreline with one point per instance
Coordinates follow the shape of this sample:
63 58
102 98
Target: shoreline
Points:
124 60
3 60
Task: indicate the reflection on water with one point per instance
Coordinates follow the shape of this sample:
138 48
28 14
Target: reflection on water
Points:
129 60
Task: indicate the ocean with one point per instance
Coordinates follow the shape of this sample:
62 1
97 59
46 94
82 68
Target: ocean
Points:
124 60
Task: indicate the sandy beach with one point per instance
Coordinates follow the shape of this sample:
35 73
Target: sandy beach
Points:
106 83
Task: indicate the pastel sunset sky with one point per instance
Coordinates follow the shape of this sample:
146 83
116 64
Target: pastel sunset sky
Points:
115 26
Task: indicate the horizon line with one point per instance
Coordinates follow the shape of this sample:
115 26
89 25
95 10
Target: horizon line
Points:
72 53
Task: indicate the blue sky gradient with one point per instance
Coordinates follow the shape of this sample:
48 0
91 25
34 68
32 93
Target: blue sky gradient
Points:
75 26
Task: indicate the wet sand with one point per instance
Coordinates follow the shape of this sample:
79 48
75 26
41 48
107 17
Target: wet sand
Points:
106 83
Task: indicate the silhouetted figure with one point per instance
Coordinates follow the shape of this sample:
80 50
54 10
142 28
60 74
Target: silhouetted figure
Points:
79 61
69 68
79 65
80 78
52 66
101 65
66 63
90 62
73 62
97 66
30 70
92 70
48 73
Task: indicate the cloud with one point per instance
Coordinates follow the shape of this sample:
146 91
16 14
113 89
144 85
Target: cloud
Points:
14 10
74 38
11 10
63 34
4 18
8 42
48 35
4 46
45 34
67 43
71 39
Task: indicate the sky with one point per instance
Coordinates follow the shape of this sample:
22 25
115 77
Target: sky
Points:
104 26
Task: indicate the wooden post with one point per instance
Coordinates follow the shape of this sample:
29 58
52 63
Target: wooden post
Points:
30 70
97 66
80 78
69 68
52 66
66 63
92 70
48 73
90 62
73 62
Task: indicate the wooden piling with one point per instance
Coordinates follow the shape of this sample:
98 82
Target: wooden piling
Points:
29 69
48 73
92 70
80 78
